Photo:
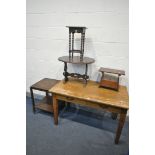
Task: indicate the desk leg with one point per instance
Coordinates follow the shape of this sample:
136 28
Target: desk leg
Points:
55 109
120 127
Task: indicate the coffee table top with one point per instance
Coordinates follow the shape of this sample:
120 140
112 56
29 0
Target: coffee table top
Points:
44 84
76 60
92 92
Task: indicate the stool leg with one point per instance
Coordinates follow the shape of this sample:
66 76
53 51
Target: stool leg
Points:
47 98
69 44
72 44
33 102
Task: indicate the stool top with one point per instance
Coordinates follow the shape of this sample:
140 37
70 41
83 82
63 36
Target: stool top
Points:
44 84
76 27
113 71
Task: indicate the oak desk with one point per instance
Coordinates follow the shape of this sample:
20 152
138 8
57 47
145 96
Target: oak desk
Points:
91 95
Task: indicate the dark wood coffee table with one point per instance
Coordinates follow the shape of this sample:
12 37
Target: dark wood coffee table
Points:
43 85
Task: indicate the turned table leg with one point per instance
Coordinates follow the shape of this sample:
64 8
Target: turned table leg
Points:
65 73
85 76
55 109
120 126
70 44
86 73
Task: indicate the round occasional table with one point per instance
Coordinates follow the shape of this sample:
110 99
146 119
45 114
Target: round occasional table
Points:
76 60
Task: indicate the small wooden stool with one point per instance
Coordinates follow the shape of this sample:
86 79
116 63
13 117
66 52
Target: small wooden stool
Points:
111 82
43 85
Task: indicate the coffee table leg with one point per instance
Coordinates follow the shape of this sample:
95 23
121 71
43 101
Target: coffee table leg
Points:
33 102
55 109
120 127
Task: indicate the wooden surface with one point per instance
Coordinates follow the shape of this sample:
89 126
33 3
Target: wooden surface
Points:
44 84
109 84
114 71
76 60
76 29
91 95
92 92
45 104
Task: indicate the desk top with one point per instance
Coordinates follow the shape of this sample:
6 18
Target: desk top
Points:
76 60
92 92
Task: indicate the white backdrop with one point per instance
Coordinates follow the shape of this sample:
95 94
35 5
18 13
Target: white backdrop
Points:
47 36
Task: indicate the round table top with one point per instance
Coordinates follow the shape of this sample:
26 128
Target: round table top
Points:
76 60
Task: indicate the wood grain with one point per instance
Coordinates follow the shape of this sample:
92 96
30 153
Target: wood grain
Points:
44 84
108 84
45 104
88 103
92 92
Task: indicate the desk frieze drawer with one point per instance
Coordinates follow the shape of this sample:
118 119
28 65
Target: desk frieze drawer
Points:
89 103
